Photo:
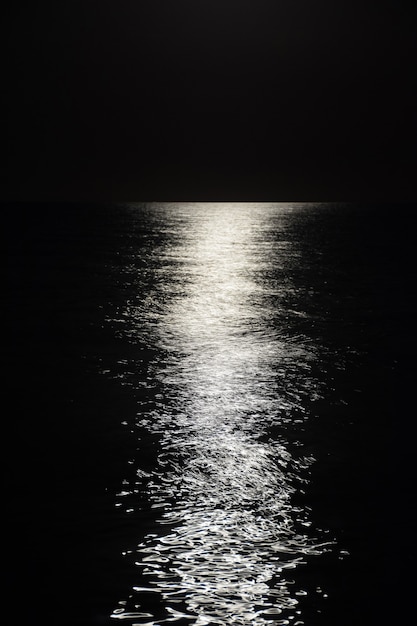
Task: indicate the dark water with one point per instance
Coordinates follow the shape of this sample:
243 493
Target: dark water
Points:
210 417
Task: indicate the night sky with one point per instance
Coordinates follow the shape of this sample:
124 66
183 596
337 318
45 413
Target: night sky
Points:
210 100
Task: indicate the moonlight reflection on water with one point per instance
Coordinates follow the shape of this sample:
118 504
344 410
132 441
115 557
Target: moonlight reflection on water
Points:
227 531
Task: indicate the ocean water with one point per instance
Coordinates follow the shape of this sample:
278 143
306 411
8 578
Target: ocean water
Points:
209 418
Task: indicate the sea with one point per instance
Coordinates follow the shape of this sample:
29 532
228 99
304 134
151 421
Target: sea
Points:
208 414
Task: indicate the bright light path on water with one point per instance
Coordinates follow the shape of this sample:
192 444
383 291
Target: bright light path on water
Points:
227 529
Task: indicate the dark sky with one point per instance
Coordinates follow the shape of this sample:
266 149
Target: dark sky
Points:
210 99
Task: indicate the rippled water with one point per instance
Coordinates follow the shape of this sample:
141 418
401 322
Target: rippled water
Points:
229 381
210 414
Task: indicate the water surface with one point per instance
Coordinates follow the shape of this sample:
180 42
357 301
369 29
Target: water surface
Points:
217 303
209 416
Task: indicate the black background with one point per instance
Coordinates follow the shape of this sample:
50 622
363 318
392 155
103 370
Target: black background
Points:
230 100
